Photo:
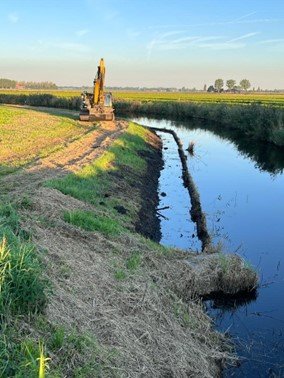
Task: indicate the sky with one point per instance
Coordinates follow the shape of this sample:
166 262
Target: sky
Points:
151 43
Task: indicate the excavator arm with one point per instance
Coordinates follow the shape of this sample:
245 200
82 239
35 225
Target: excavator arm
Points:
99 84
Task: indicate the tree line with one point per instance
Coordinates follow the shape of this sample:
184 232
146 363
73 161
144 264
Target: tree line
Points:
13 84
231 84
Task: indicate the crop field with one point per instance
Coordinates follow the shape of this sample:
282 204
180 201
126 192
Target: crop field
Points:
268 99
26 134
264 99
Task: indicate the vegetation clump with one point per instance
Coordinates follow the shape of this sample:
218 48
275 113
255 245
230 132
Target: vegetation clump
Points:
254 121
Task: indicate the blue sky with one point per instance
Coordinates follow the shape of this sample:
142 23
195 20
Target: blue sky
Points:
144 42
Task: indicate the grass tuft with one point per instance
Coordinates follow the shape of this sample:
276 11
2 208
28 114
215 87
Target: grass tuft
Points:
90 222
22 289
133 262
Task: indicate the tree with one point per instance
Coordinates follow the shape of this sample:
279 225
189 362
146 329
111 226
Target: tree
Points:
230 84
219 83
205 88
7 83
245 84
211 89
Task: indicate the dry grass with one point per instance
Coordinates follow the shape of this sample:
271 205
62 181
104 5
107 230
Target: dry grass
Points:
139 313
27 134
138 299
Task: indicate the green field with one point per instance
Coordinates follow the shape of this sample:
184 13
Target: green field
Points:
264 99
269 99
26 134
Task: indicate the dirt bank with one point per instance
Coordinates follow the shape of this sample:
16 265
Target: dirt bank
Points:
138 300
148 223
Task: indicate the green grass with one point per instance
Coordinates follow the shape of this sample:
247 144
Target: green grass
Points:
22 288
133 262
22 352
23 293
26 338
93 183
91 222
120 275
271 99
228 98
28 134
256 122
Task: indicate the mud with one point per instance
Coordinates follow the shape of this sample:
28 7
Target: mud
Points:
149 224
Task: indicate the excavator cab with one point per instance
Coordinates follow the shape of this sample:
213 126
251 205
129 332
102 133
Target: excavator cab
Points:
108 100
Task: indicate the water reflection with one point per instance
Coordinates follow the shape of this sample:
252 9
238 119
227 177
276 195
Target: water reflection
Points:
266 156
229 302
241 185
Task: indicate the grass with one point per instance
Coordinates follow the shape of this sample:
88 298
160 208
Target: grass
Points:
22 293
91 222
271 99
26 354
27 134
126 287
94 184
133 262
258 116
130 266
27 340
255 122
22 288
228 98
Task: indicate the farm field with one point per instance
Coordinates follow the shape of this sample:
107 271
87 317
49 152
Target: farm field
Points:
27 134
264 99
269 99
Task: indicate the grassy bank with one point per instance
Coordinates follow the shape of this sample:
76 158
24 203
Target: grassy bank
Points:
254 121
107 302
29 342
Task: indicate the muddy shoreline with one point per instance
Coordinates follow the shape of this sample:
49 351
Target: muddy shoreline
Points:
149 224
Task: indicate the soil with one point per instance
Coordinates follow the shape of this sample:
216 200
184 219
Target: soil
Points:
148 223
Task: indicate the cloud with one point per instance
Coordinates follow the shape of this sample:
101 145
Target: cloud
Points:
169 41
82 32
275 45
271 41
240 20
13 17
245 36
160 40
222 45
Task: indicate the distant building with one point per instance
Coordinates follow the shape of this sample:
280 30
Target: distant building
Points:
20 86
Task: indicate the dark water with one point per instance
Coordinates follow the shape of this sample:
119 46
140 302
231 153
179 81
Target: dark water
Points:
241 186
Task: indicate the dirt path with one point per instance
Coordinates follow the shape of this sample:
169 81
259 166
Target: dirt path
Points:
72 158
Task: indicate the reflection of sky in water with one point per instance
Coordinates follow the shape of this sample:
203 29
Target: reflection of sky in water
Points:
244 208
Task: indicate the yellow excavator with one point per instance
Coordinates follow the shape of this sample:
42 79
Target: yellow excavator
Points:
97 106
